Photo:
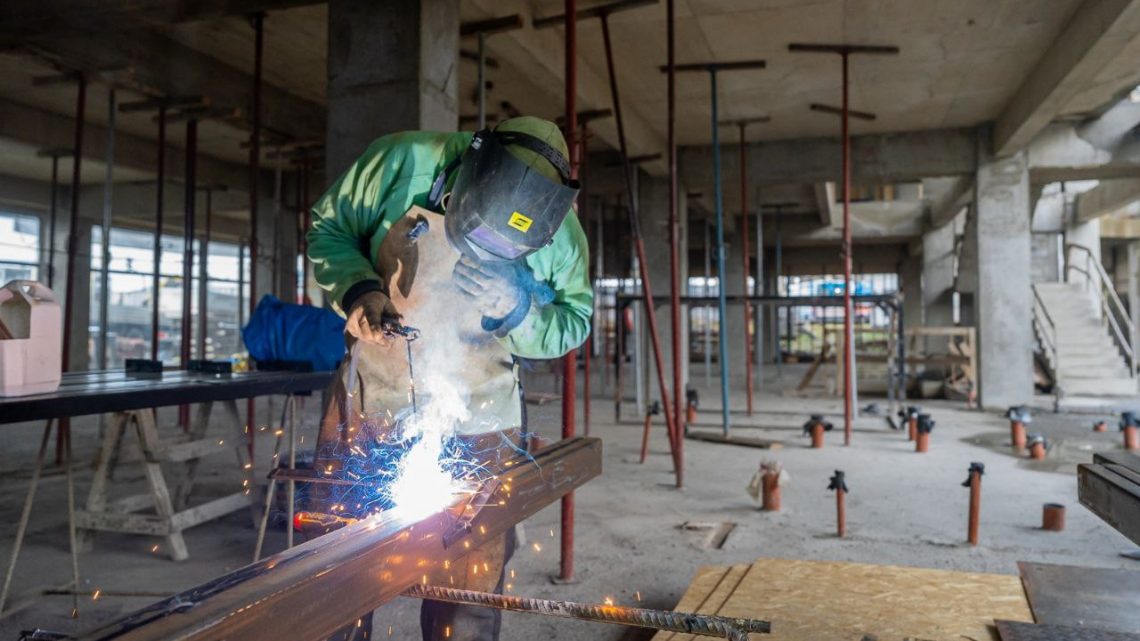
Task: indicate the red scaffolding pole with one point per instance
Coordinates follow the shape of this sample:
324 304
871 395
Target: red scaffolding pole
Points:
570 361
258 22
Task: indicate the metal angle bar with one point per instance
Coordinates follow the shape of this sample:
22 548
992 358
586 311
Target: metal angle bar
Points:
711 625
592 12
843 48
491 25
309 591
838 111
1112 496
716 66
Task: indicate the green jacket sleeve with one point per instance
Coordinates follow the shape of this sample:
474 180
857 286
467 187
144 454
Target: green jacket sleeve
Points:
553 330
353 216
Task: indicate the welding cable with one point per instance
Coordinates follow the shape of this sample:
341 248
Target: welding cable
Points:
703 624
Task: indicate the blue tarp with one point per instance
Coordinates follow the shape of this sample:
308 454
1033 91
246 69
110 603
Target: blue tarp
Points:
280 331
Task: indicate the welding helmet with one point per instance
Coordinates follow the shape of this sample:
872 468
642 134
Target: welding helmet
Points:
512 189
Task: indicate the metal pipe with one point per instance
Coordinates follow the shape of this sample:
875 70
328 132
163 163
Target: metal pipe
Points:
156 279
203 276
73 227
482 79
746 251
720 268
188 224
848 311
108 204
584 214
683 622
52 216
306 174
241 280
680 356
63 434
258 22
639 250
570 360
705 315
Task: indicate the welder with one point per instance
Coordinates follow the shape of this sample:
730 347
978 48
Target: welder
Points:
472 239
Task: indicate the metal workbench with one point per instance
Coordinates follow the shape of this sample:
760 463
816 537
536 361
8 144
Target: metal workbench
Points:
130 402
84 393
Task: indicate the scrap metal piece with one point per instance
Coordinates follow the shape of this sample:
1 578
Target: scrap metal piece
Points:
1090 598
307 592
1110 488
1019 631
701 624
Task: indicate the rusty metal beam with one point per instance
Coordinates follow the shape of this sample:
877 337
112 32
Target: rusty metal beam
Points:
307 592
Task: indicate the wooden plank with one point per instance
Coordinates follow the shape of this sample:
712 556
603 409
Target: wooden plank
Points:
132 503
746 441
1086 597
128 523
209 511
814 600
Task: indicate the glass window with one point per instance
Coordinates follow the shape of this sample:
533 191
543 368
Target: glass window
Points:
131 299
19 247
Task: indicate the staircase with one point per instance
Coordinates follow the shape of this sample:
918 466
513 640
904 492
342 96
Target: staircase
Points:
1078 343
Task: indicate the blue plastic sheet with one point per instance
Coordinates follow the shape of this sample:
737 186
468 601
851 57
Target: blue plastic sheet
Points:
280 331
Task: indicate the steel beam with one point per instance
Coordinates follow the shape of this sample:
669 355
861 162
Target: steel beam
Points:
1110 488
307 592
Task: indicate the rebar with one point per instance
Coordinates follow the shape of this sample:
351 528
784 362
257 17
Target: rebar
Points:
734 629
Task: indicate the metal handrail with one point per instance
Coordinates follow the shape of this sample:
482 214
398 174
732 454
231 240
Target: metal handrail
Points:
1049 338
1103 282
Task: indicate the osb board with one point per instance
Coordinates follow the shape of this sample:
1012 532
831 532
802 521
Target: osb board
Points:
815 600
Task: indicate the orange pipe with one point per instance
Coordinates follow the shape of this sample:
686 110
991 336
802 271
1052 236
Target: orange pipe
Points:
975 505
1053 517
922 442
770 487
1131 438
1017 434
817 436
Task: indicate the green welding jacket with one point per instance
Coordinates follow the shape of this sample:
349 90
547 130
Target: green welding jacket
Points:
397 172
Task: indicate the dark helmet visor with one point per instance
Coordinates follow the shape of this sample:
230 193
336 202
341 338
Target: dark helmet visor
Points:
500 207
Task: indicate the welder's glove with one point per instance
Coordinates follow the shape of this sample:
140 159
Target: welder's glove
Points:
496 289
366 317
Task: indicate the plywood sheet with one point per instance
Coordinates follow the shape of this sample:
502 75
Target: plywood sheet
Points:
1083 597
813 600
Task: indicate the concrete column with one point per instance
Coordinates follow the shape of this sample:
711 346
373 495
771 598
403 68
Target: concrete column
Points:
938 277
392 66
653 198
910 282
1003 301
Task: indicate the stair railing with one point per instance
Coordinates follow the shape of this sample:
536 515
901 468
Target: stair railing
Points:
1095 279
1046 331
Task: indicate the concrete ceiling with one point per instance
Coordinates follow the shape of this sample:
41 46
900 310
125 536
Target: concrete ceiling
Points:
961 63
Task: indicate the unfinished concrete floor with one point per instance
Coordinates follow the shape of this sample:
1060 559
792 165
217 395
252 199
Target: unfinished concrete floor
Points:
904 508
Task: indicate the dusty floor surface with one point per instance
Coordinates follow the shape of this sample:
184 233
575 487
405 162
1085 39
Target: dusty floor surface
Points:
904 508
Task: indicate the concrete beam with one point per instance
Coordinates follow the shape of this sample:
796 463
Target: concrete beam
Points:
1067 152
881 158
159 65
949 197
871 223
1105 198
825 201
45 129
23 19
1096 33
1120 228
